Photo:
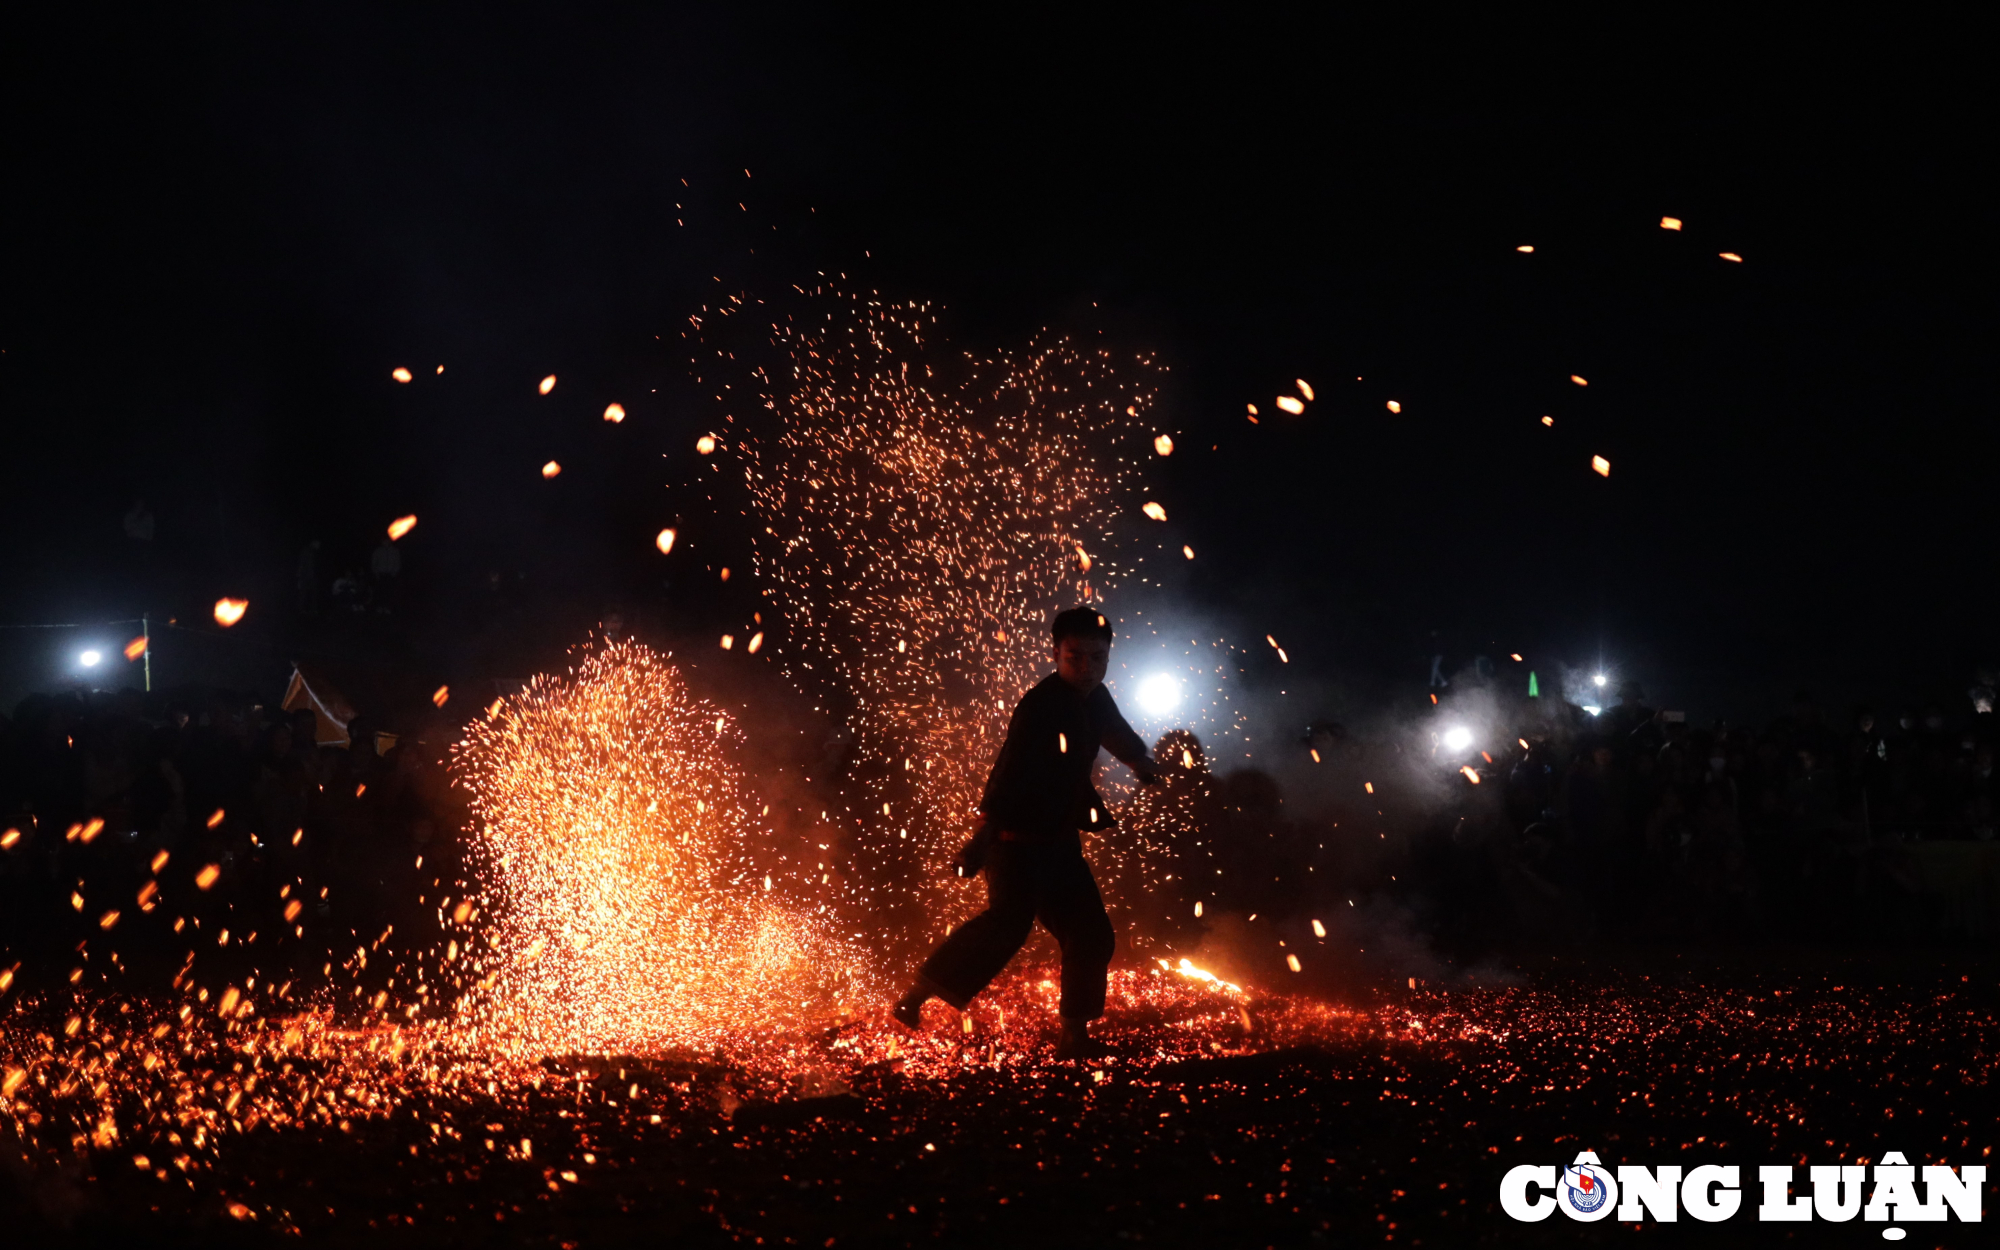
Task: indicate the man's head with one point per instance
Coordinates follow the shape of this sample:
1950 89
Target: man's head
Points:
1082 639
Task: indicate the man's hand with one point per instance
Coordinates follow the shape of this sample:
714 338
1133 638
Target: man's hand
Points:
972 857
1149 776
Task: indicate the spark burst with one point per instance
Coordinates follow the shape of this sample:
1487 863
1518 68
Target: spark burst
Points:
916 533
628 912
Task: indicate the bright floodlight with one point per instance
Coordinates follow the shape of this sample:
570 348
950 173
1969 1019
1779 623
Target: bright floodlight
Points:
90 658
1599 679
1160 694
1457 738
1592 710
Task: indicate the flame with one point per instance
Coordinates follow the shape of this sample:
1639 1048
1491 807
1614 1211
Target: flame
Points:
230 611
614 413
401 526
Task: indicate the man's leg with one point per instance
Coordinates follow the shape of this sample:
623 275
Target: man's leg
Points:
1072 909
976 951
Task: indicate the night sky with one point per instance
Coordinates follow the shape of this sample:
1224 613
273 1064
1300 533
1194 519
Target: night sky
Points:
222 232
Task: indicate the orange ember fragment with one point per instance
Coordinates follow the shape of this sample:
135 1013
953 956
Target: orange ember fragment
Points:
215 818
1288 404
9 838
725 573
1525 247
1730 256
108 919
439 695
728 641
756 641
1515 654
91 830
206 877
1548 420
135 648
1164 445
1187 551
615 413
1082 559
1154 511
1292 962
1369 786
1602 466
400 374
230 611
1394 406
159 861
1579 381
146 893
1670 223
401 526
1305 387
705 444
548 384
551 469
664 540
1470 774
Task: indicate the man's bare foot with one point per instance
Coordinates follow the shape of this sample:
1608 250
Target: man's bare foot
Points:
1077 1043
909 1010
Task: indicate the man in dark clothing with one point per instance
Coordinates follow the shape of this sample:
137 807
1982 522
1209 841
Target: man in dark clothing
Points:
1037 798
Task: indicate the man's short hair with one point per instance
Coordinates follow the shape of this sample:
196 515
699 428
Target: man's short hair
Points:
1079 623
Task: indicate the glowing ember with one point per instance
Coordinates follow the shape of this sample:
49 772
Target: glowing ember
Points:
548 384
1525 247
1601 466
1154 511
1289 404
1305 387
135 648
1731 256
1670 223
664 540
230 611
705 444
1548 420
551 469
401 526
439 695
1164 445
1394 406
1579 381
400 374
206 877
1187 551
614 413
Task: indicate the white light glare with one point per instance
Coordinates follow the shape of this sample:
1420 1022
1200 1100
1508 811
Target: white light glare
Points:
1592 710
90 658
1160 694
1599 679
1457 738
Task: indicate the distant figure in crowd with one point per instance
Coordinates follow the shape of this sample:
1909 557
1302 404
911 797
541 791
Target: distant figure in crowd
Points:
1026 838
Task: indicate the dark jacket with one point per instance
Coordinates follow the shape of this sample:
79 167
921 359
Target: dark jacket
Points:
1040 786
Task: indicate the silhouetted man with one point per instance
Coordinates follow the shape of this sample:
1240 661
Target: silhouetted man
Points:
1037 798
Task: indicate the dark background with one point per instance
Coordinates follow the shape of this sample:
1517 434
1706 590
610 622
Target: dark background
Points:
222 230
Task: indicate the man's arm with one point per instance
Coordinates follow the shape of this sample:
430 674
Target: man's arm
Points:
1124 743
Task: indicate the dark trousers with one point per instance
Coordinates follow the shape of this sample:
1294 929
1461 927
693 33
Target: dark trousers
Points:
1026 882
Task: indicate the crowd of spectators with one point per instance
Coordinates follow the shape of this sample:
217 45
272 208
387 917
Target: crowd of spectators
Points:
117 801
